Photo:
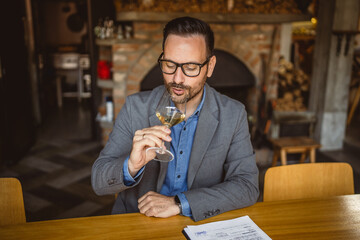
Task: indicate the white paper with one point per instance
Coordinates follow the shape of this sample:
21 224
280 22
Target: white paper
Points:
242 228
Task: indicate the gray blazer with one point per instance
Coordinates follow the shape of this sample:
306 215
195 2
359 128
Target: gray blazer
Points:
222 172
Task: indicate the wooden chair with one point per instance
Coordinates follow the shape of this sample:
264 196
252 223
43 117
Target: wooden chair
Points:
12 209
304 145
292 132
311 180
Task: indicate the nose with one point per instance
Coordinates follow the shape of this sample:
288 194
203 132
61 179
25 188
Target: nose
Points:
179 76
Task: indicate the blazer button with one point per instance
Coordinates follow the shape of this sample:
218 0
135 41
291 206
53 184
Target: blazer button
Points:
111 181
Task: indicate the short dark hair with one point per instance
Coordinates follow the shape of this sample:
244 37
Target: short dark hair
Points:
186 26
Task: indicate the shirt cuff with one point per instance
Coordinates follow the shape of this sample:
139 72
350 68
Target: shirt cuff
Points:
128 179
185 206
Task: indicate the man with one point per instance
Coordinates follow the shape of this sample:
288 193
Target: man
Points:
214 168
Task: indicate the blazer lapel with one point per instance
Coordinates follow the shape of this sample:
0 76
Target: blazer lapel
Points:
205 130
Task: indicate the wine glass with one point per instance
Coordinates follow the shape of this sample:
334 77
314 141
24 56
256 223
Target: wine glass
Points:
169 115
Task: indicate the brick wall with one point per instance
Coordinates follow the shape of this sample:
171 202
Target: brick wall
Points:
133 58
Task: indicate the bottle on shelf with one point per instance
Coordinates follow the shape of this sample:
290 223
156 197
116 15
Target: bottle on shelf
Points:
98 28
119 33
128 31
109 34
109 109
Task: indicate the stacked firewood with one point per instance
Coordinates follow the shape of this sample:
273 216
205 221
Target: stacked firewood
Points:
266 6
293 88
209 6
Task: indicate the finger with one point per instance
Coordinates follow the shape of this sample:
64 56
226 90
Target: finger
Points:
159 131
154 137
145 195
145 205
147 136
150 208
139 135
138 138
158 206
150 154
151 135
158 142
159 134
144 143
160 128
151 212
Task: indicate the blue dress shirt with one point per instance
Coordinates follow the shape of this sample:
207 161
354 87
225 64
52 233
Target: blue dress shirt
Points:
175 182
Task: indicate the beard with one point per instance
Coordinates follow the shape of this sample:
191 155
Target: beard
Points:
176 98
189 92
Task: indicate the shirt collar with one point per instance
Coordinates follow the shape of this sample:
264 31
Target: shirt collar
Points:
198 109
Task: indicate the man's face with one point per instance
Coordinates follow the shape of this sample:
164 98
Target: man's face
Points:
182 50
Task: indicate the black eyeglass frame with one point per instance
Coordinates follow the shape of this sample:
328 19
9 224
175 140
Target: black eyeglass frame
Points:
181 65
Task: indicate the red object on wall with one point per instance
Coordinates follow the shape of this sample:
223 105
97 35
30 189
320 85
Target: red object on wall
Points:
104 69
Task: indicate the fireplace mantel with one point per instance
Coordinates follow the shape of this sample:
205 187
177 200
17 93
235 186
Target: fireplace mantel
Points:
213 17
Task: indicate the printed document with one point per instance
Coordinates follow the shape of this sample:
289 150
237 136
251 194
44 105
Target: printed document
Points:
242 228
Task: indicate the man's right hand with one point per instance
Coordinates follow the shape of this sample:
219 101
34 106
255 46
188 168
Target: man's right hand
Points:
143 139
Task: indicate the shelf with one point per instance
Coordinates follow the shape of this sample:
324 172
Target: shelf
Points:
110 42
296 37
212 17
76 94
106 124
105 83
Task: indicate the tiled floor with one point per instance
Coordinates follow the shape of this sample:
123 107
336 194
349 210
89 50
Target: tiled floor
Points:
55 174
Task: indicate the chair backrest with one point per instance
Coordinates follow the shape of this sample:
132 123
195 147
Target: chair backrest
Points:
308 180
11 202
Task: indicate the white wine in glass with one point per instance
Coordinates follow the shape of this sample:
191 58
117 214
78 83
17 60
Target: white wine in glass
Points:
169 116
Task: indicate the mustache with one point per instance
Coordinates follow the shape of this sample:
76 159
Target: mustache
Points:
175 85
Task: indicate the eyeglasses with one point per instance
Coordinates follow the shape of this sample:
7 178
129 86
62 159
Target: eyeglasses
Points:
189 69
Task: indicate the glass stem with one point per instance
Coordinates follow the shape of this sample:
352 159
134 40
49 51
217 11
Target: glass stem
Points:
163 142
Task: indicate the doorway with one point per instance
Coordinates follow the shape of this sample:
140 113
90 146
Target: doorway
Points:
64 74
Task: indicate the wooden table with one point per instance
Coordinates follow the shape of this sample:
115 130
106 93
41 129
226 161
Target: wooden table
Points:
326 218
285 145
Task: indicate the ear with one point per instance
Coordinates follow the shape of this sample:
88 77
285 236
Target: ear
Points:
211 66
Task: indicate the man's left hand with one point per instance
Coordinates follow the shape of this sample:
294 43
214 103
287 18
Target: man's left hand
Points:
153 204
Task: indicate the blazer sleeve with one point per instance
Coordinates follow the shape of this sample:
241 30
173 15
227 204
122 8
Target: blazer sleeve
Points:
107 171
239 187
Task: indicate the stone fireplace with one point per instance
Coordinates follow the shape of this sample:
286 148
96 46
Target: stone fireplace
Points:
247 49
238 47
242 51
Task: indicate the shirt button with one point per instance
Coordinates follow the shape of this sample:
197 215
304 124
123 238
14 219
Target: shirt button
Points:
181 152
178 176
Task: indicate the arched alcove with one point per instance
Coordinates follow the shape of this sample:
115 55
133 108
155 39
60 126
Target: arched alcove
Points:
153 79
230 72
